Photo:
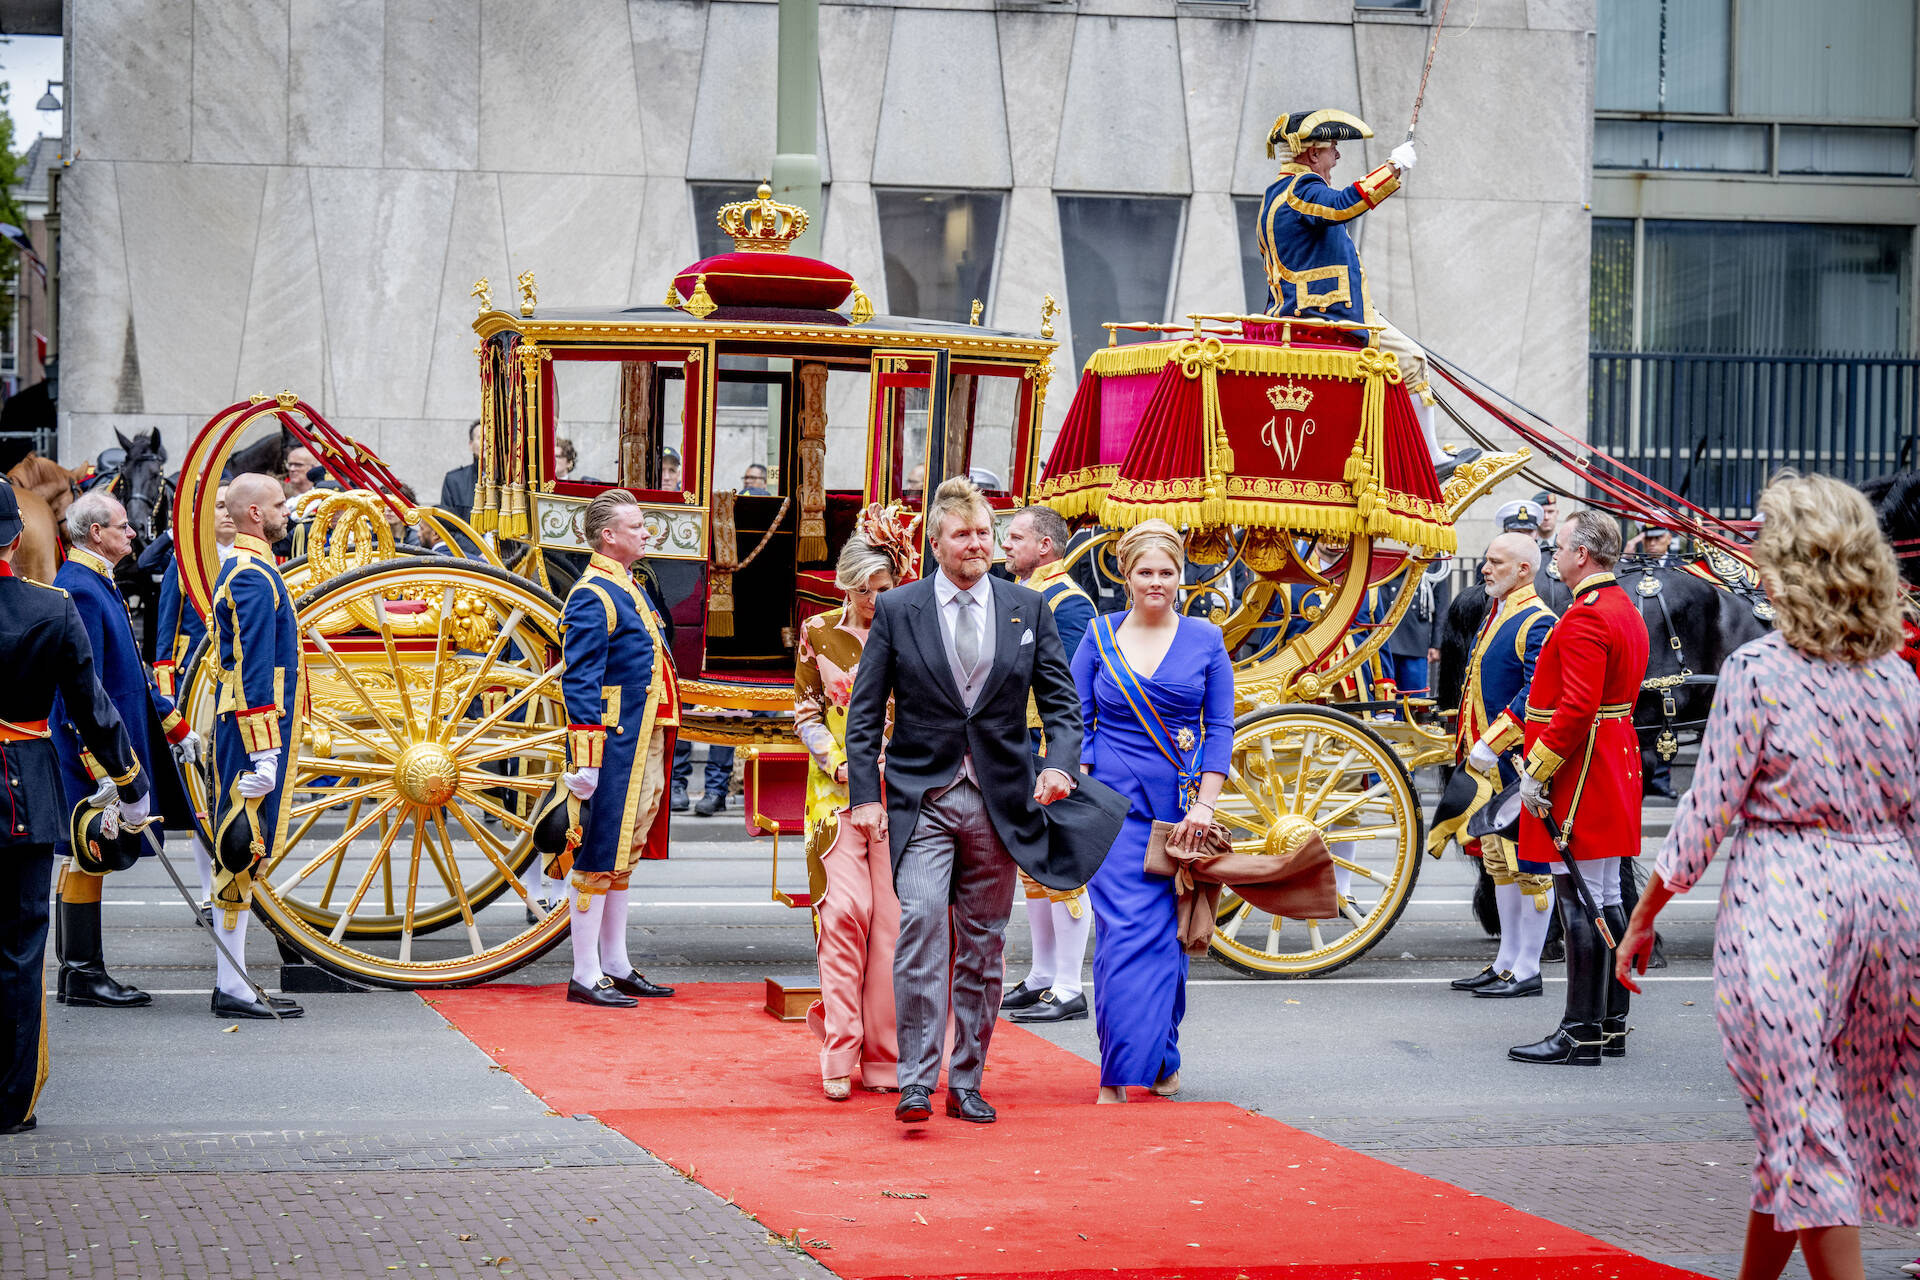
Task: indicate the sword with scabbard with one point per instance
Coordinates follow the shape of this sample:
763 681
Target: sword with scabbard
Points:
1561 842
146 832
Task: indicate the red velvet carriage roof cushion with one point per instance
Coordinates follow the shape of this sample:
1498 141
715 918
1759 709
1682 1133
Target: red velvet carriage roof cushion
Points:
741 279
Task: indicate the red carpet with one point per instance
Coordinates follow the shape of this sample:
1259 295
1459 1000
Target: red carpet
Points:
1155 1189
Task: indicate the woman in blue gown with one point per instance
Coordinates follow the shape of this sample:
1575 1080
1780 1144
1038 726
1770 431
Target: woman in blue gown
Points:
1156 689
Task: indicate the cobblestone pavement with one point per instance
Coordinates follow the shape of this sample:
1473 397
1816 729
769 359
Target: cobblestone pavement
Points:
318 1204
1669 1187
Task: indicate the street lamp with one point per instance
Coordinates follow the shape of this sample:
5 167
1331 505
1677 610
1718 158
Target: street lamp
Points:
48 102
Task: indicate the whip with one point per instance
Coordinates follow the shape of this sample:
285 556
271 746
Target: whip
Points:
1433 47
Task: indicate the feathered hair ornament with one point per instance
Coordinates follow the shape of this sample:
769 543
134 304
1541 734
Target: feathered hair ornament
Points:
893 530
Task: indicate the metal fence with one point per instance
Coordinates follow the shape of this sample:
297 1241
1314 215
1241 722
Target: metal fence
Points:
1714 427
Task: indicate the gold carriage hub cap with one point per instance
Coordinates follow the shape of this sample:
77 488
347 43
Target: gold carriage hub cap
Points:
427 774
763 225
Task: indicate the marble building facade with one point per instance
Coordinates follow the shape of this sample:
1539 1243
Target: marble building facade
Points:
300 193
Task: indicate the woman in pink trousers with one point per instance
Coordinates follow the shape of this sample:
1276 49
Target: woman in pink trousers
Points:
850 877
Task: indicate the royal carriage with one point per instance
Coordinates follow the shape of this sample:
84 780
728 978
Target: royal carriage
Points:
432 714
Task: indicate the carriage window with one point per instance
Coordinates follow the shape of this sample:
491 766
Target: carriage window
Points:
847 392
982 409
620 416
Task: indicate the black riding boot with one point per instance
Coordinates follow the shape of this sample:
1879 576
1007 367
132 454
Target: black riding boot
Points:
84 980
1577 1041
1619 999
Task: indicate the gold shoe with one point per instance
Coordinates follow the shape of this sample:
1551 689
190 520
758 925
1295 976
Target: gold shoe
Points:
838 1089
1166 1086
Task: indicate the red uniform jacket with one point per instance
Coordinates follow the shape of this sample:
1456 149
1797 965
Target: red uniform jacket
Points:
1579 731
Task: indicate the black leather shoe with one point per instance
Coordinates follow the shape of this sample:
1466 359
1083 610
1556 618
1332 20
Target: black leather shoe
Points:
1021 996
915 1105
678 803
284 1003
23 1126
968 1105
1569 1046
1444 469
226 1006
1554 952
600 993
1478 980
636 984
710 804
92 988
1509 988
1050 1010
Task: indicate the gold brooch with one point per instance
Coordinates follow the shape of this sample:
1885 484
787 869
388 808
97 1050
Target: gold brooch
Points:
1184 739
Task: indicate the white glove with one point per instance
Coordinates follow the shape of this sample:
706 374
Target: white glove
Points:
1483 759
103 795
259 780
1402 157
584 783
187 750
136 811
1533 794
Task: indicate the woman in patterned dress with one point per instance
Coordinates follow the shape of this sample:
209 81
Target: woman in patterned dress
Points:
851 878
1811 763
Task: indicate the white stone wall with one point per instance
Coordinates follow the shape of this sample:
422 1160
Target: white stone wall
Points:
299 193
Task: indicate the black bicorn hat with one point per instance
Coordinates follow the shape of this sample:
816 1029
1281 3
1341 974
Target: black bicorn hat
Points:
1302 129
10 522
1081 828
94 851
1499 816
1466 793
560 824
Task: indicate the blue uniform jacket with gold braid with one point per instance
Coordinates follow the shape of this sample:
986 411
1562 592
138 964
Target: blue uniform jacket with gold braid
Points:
149 715
1073 613
1313 270
1493 702
619 687
258 706
177 628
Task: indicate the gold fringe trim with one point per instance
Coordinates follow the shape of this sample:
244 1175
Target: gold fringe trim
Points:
726 557
1134 358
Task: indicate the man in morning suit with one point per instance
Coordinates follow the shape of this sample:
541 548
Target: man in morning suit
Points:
622 704
1583 770
102 537
256 728
1060 922
44 651
1493 714
957 654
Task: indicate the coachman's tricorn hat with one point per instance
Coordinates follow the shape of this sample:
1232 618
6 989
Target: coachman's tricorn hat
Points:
560 824
1304 129
94 851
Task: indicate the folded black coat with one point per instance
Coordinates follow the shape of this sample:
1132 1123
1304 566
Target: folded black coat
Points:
1294 881
1081 829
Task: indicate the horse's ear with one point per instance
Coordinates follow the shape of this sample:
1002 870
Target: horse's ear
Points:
125 443
159 449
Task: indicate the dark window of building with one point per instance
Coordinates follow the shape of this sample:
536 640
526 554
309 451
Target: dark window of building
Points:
939 247
1680 144
1874 153
1662 55
1254 272
1610 299
1119 253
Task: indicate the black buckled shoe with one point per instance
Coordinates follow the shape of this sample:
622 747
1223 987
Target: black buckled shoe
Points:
636 984
601 993
1478 980
1051 1010
1459 457
1509 988
915 1105
1577 1045
968 1105
226 1006
1021 996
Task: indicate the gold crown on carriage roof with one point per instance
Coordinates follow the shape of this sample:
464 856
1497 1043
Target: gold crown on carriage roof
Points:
762 225
1289 395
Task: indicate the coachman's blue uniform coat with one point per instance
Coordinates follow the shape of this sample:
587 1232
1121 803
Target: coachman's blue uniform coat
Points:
1493 704
258 706
619 687
152 721
1313 269
44 652
178 627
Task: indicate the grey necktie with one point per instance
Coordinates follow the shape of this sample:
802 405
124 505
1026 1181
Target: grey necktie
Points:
966 636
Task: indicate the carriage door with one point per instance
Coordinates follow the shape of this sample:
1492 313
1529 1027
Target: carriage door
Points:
906 456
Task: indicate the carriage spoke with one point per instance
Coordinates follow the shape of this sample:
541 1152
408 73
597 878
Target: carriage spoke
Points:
393 660
1251 797
320 643
381 856
1273 935
1233 926
332 798
336 725
1352 913
1349 805
413 884
439 651
508 707
1313 936
533 744
1309 743
530 783
386 864
467 695
493 849
338 849
1334 775
450 876
487 806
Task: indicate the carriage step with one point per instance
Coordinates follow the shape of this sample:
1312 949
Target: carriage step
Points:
788 998
299 977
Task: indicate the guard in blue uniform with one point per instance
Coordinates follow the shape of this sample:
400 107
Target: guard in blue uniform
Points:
1493 713
44 652
622 703
1060 922
102 537
1313 268
256 727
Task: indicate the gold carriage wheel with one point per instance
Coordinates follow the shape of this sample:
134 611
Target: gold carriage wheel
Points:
426 739
1298 769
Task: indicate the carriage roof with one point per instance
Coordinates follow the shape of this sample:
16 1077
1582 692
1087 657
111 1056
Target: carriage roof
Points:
760 326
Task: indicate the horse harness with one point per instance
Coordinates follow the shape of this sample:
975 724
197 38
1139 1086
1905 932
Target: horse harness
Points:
1667 744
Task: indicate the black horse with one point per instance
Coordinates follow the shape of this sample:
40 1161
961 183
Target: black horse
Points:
1896 500
139 481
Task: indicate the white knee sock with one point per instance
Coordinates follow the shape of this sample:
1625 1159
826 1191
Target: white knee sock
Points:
1423 412
584 927
1532 935
551 890
1070 944
613 935
203 858
1342 876
1040 925
230 980
1510 901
